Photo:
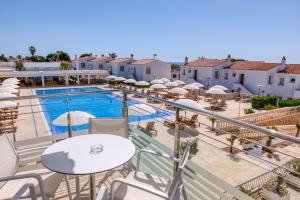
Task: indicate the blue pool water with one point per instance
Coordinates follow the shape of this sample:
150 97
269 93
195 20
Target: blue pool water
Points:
99 105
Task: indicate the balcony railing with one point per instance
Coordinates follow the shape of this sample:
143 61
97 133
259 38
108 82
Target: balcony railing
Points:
200 182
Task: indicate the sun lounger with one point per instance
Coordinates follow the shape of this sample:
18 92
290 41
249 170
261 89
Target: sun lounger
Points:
191 122
172 124
149 129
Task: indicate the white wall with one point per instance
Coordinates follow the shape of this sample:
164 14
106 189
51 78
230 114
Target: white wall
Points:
7 66
41 66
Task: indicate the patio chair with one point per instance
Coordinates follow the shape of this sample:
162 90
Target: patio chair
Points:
191 122
16 184
140 185
114 126
149 129
172 124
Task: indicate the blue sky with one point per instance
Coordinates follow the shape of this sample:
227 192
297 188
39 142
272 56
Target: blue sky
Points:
173 29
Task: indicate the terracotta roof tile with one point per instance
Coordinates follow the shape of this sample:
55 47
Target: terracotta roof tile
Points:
292 69
99 59
143 61
85 58
206 62
120 60
253 65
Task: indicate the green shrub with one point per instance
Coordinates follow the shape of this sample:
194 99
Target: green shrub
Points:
248 111
270 107
289 103
261 101
193 148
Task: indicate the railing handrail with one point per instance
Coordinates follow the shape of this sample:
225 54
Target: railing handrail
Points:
202 111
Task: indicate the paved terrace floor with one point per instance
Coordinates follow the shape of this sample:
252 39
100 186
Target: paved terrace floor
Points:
210 155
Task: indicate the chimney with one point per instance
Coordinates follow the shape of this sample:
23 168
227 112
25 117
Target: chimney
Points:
95 56
109 55
102 55
228 57
283 60
186 60
131 56
75 57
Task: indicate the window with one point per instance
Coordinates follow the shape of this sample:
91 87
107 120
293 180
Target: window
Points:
233 74
226 76
148 70
292 80
122 69
183 72
270 80
174 75
190 71
100 66
281 81
82 64
216 74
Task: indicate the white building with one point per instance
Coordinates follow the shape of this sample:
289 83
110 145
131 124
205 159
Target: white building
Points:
41 66
120 66
203 70
99 63
149 69
82 63
254 77
7 66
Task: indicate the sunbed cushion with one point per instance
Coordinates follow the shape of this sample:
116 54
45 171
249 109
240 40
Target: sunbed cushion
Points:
124 192
51 182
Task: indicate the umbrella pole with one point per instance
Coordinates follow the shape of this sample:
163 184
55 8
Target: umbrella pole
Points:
177 141
69 119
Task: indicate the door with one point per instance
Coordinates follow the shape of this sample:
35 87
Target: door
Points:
195 75
242 78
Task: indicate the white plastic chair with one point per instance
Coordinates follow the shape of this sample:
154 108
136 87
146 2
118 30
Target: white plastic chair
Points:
114 126
140 185
16 184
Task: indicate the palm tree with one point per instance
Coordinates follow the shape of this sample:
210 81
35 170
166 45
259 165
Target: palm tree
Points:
154 55
298 129
213 120
232 139
32 50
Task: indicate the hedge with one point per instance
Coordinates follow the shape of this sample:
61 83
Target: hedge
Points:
289 103
262 101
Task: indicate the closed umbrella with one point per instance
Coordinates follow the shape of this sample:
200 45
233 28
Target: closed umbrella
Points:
120 79
180 82
158 86
157 81
4 95
221 87
130 81
8 105
77 118
198 84
142 83
179 91
190 87
8 90
111 77
165 80
171 84
189 103
9 85
215 91
12 79
10 82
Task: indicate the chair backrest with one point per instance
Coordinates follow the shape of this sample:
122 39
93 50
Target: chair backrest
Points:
177 183
150 125
114 126
194 117
8 159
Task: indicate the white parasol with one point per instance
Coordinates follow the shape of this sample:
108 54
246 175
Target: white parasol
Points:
178 90
157 81
8 105
77 118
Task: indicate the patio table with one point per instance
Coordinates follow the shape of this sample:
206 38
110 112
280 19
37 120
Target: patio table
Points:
74 156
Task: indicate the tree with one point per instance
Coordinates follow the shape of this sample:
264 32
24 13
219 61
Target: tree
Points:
154 56
114 55
19 57
64 65
298 129
58 56
231 139
3 58
36 58
85 54
32 50
174 66
19 66
193 148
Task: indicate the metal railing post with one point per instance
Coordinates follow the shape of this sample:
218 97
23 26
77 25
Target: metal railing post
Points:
69 118
177 139
124 108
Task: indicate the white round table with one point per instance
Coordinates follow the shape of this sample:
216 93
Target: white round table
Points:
73 155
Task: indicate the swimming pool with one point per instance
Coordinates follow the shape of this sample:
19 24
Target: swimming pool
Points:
100 105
